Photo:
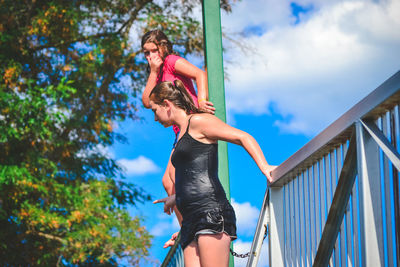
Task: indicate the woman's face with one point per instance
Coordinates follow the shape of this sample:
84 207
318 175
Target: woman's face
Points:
161 114
151 50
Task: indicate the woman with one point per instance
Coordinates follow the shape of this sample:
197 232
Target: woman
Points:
208 224
164 65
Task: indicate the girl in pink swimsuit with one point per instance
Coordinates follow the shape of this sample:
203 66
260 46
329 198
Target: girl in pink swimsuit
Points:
164 65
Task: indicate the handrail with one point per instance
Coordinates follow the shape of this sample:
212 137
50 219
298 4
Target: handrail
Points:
336 200
385 95
171 252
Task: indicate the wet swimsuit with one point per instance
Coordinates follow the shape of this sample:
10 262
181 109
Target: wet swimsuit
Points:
200 197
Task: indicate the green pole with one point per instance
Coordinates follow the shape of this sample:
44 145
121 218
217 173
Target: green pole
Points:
215 75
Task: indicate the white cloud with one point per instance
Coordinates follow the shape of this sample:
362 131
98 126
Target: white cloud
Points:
242 247
312 72
106 151
246 218
166 227
138 166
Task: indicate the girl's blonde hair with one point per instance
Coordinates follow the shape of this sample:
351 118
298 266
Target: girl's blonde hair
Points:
176 93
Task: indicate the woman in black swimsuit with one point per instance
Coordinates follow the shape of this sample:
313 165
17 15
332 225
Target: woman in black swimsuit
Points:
209 222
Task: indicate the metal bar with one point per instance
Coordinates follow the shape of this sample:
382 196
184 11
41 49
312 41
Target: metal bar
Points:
343 226
383 143
395 175
338 168
317 204
349 233
296 221
292 226
356 218
307 219
287 226
337 210
302 222
328 185
312 213
388 89
370 198
277 227
387 192
322 193
262 224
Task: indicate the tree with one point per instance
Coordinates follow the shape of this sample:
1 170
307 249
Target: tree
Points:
70 70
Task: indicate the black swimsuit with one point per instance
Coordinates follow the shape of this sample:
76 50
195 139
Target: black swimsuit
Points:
200 196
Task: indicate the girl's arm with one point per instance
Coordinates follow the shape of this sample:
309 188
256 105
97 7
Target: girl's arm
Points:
169 203
155 63
209 129
184 67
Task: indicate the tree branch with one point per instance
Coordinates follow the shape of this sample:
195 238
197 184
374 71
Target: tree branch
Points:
127 24
48 236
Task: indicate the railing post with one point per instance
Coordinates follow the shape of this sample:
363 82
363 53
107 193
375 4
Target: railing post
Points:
370 199
261 230
276 228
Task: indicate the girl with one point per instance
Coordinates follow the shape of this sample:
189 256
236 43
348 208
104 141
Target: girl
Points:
208 224
164 65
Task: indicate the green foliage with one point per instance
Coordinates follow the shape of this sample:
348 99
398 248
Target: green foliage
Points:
70 70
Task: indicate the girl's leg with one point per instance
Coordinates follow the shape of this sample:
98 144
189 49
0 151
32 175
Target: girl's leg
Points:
214 250
191 255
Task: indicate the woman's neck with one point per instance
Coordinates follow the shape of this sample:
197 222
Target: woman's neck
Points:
181 118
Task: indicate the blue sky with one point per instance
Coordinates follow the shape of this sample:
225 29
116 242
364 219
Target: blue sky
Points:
307 62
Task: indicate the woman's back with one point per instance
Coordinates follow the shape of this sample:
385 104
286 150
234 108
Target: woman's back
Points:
196 175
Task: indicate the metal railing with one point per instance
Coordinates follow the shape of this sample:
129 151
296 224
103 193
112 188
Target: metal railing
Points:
174 257
336 202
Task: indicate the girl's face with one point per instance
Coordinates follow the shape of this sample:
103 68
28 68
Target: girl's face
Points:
161 114
151 50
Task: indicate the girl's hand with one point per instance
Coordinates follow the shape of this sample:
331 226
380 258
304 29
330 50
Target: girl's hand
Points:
171 242
268 172
206 106
169 203
155 62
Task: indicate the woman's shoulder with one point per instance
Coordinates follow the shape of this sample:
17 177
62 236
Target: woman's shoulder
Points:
171 59
202 119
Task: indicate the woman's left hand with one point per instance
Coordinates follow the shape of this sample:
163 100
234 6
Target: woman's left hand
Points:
171 241
268 172
169 203
206 106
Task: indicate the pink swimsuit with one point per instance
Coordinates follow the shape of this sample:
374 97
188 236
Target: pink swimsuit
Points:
168 73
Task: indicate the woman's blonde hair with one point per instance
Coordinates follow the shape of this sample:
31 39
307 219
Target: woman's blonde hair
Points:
176 93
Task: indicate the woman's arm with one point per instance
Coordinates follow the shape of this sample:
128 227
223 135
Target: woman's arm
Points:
169 203
184 67
209 128
155 63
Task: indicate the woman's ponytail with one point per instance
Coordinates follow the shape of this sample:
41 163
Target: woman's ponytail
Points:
176 93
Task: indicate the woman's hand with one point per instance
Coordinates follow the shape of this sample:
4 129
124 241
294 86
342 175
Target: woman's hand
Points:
155 62
206 106
268 172
171 242
169 203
